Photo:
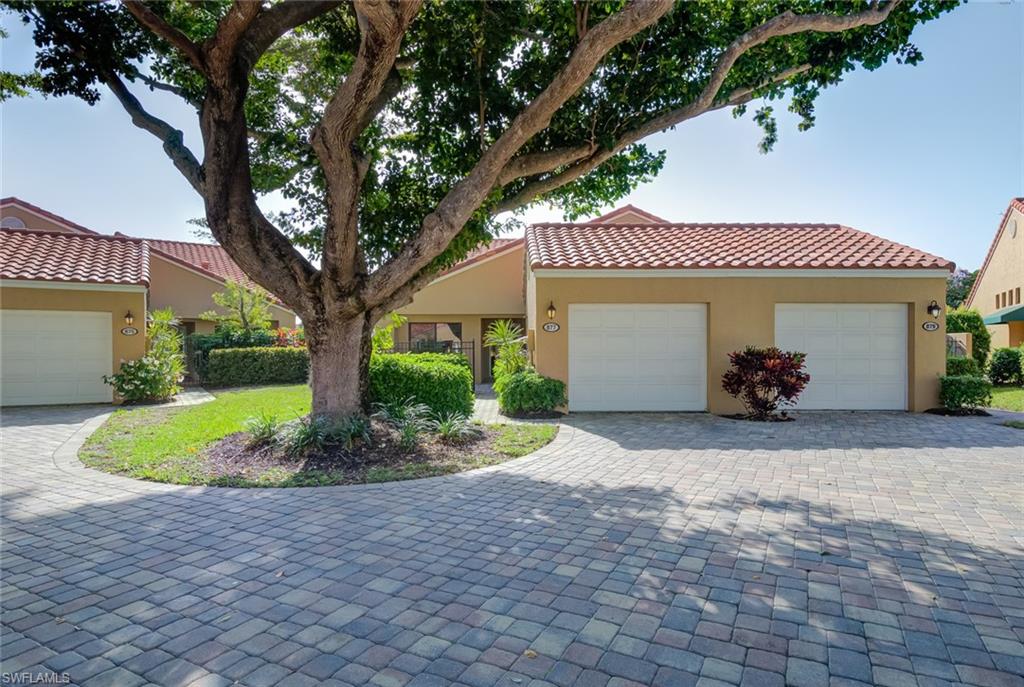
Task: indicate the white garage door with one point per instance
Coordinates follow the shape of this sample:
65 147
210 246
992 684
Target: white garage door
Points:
856 353
638 357
49 356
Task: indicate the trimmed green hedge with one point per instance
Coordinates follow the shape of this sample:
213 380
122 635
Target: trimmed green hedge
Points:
963 392
443 385
970 321
450 358
529 392
1006 366
959 365
241 366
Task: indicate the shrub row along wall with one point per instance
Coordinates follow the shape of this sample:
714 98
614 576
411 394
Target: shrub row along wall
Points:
442 381
243 366
433 379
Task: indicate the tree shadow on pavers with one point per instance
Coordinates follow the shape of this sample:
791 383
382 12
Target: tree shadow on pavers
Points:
504 576
35 416
810 430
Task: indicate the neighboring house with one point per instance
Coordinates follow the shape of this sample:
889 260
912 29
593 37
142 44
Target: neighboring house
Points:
66 293
996 293
635 313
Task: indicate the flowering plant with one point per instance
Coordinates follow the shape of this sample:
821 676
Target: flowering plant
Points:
289 338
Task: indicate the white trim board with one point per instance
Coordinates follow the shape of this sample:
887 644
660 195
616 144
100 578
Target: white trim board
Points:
611 273
69 285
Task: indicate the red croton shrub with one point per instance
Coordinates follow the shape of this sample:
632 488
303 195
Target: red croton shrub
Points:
764 379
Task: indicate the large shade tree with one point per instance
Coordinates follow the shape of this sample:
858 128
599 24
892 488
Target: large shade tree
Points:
405 131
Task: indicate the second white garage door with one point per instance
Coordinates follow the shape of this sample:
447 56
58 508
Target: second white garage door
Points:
856 353
49 356
637 357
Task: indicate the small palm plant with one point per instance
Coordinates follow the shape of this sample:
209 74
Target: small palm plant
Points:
507 339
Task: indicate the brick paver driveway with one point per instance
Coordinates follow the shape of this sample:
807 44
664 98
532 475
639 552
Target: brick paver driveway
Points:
665 550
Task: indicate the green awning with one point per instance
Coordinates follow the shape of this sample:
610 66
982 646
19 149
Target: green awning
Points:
1015 313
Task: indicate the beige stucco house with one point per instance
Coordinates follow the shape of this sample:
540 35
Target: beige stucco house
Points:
637 313
73 301
997 290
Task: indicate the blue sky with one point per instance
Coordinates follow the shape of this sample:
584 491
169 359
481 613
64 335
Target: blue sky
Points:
927 155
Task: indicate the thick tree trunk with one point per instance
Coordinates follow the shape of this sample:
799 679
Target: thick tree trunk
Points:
339 361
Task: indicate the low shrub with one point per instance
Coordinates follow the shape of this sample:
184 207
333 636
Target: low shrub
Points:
262 429
312 434
455 428
1005 366
964 392
410 419
202 344
157 375
763 379
959 365
529 392
450 358
441 385
970 321
241 366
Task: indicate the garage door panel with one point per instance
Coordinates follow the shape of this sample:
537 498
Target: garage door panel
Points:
54 357
892 318
865 368
854 344
650 357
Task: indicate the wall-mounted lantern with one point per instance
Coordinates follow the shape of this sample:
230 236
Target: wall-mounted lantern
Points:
551 310
934 309
129 319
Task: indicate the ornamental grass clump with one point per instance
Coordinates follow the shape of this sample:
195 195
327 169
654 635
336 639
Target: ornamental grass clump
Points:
764 379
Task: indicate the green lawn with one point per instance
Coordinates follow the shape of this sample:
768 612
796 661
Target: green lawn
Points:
161 444
167 444
1008 398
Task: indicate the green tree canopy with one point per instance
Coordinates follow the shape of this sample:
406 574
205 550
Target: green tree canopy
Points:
242 308
409 132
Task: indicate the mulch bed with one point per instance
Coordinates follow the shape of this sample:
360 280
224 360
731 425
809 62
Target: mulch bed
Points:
231 459
976 412
782 417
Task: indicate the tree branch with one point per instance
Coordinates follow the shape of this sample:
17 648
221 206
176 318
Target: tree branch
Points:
369 85
538 187
173 140
784 24
149 19
278 20
455 209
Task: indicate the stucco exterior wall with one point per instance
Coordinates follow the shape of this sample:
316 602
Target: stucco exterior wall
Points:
490 286
117 303
189 294
490 289
1004 272
34 221
741 312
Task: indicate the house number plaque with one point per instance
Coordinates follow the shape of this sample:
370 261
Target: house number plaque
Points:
930 326
129 331
551 327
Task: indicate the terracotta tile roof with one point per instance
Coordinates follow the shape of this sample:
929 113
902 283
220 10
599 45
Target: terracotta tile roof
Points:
1015 204
609 217
83 258
208 258
18 202
724 246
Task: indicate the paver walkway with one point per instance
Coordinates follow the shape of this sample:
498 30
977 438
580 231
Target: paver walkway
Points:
840 550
